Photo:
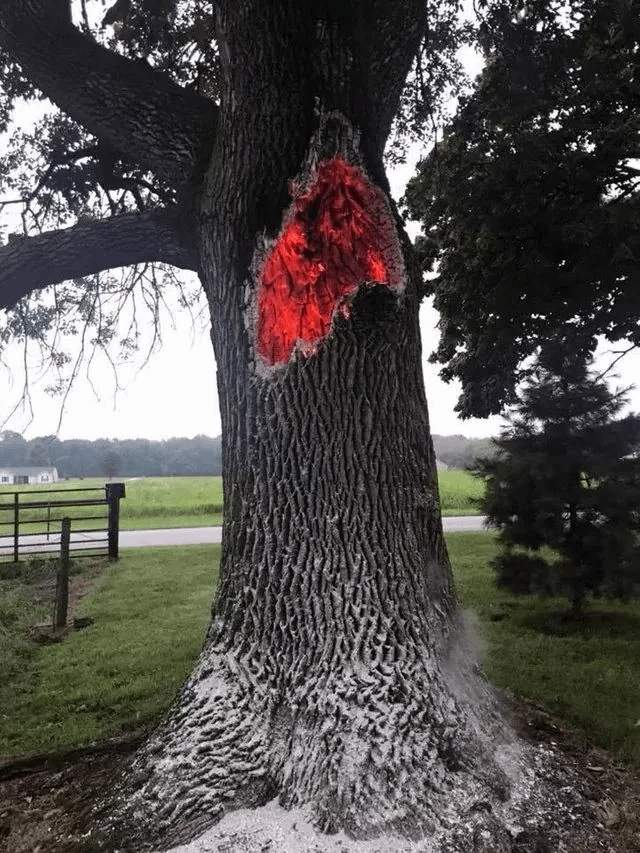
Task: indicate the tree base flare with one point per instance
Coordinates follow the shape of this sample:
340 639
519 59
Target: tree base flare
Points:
535 820
365 759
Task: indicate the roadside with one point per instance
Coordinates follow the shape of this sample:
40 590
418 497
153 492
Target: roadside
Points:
197 535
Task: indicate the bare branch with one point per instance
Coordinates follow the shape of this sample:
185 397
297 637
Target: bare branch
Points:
138 112
619 355
33 263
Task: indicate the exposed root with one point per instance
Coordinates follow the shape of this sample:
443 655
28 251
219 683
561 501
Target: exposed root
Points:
544 814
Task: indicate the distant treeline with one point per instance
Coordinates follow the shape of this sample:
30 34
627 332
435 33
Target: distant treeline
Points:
135 457
140 457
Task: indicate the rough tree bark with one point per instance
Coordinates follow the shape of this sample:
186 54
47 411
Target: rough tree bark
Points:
334 675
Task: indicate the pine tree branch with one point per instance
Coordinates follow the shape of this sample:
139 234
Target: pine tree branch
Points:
139 112
33 263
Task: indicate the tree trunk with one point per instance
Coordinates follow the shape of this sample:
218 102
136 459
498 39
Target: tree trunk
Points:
325 678
333 675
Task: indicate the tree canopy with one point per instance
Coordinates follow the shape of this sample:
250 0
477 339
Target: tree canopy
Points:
530 203
125 98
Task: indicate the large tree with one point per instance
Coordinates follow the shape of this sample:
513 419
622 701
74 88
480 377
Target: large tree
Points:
244 140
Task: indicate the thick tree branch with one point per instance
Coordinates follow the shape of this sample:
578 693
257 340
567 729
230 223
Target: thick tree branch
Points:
140 113
388 37
32 263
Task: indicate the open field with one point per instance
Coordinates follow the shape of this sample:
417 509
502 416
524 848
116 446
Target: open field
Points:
153 502
459 491
156 502
150 614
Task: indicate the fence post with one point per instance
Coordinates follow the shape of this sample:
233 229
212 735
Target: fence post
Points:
16 527
114 491
62 586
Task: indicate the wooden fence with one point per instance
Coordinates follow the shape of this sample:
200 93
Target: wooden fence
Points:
31 522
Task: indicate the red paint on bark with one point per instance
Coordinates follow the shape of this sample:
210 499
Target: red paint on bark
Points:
333 241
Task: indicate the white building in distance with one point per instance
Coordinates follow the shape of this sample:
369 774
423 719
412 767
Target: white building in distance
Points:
21 476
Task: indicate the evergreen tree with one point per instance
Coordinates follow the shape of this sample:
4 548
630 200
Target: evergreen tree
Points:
567 476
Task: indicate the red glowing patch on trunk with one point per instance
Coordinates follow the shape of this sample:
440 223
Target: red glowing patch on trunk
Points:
333 241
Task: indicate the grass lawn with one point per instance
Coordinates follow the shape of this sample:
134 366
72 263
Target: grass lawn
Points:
459 492
157 502
152 607
150 611
587 672
151 502
159 522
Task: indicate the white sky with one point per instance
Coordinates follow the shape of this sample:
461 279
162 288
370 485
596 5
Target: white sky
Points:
175 394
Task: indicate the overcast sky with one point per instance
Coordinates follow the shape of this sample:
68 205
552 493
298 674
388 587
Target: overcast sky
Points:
175 394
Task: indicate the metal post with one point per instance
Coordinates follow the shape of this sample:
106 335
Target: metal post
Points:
16 527
114 491
61 606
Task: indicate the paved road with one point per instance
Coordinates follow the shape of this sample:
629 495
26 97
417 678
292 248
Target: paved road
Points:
208 535
188 536
463 523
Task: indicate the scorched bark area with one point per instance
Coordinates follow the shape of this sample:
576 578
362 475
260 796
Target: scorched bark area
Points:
336 238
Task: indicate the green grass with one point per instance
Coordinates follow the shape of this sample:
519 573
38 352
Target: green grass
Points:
16 616
150 613
159 522
459 492
587 671
152 607
157 502
152 502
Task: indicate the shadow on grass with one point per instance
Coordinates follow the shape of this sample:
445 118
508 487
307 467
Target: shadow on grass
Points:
589 624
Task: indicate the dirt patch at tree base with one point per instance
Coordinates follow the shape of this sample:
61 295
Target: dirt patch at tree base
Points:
46 804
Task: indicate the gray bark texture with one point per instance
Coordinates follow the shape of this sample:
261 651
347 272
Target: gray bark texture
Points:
336 680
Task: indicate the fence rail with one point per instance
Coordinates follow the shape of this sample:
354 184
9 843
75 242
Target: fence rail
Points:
30 528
